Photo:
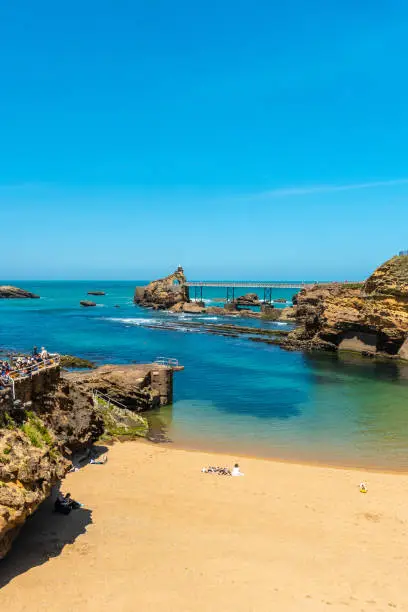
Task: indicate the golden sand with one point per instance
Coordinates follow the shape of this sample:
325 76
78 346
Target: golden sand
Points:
162 536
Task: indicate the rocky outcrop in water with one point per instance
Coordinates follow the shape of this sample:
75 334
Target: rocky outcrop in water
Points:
96 293
163 293
189 307
249 299
8 292
87 303
370 318
71 361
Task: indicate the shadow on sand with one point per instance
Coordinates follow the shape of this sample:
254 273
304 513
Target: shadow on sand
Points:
43 536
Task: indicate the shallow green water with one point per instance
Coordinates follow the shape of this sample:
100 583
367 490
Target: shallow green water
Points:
234 395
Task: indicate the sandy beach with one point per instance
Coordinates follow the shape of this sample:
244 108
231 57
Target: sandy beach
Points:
157 534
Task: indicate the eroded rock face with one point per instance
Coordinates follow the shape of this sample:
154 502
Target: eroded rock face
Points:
27 474
50 419
369 318
165 292
9 292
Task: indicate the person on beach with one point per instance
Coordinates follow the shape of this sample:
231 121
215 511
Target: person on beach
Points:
236 471
64 504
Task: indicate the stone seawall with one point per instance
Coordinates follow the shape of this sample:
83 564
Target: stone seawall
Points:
138 387
31 391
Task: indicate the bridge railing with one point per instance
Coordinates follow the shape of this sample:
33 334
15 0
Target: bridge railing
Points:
106 398
167 361
27 370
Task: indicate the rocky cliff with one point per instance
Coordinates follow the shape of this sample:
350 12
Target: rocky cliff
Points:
39 429
370 318
9 292
165 292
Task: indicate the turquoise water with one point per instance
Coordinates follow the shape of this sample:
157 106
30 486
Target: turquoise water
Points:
234 395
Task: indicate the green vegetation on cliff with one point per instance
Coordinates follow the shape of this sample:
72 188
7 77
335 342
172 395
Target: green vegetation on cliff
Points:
120 422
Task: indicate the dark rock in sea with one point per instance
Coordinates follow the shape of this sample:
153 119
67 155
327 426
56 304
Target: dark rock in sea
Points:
96 293
116 306
70 361
249 299
87 303
8 292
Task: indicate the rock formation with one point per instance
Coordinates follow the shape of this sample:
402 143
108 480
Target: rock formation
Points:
165 292
46 421
249 299
188 307
87 303
137 387
71 361
29 467
96 293
9 292
371 318
54 415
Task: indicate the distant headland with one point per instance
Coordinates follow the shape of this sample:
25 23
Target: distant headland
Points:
369 317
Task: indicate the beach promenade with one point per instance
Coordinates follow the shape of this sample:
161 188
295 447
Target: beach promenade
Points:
157 534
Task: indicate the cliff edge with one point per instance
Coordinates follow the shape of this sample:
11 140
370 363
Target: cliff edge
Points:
46 421
370 318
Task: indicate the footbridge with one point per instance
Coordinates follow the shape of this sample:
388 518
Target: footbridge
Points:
267 286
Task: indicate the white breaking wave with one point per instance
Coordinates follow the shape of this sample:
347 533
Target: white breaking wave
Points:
131 321
206 301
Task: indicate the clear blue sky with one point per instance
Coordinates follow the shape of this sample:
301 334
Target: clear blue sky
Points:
137 135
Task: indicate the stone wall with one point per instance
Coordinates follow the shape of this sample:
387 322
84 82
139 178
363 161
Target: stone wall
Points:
32 391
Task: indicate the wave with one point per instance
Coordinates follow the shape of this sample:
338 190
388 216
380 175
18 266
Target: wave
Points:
206 300
132 321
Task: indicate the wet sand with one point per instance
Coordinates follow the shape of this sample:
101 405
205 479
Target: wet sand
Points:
157 534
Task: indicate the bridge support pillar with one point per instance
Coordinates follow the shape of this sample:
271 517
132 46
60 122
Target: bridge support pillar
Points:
230 294
267 295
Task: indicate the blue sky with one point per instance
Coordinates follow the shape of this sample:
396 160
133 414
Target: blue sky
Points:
242 139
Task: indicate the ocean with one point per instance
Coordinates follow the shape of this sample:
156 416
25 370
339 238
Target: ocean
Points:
234 395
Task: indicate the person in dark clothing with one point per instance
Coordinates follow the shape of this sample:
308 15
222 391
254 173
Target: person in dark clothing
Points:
64 504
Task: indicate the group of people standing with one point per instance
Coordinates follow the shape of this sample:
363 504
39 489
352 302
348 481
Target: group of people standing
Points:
23 364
